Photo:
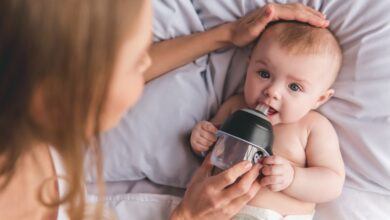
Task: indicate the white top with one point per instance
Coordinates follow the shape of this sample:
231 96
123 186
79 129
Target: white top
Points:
60 171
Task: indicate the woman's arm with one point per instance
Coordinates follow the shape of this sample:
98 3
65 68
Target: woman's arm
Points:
170 54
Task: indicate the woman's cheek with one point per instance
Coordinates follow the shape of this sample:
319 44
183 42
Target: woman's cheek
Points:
123 95
129 93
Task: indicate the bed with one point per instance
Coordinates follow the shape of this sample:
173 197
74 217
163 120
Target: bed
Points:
147 159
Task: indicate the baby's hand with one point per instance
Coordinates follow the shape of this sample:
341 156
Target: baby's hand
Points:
278 173
203 136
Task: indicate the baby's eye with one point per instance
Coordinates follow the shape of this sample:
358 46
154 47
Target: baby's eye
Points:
264 74
295 87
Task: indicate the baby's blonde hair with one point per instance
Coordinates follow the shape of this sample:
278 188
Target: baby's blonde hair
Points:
301 38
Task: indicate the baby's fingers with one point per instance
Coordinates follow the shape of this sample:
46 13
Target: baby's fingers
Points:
273 170
208 136
198 147
271 180
208 126
203 142
276 187
272 160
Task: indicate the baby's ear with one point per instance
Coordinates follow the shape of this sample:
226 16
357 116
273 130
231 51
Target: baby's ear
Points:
324 98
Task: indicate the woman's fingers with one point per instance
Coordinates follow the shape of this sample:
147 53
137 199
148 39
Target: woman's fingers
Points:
249 27
238 203
297 12
229 176
261 20
244 185
209 195
204 170
306 9
272 12
317 13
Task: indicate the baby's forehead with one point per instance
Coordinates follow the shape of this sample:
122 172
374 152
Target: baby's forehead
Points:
312 69
300 38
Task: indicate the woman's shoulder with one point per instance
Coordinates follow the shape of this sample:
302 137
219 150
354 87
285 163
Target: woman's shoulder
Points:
31 172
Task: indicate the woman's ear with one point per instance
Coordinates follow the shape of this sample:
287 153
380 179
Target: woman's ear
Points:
324 98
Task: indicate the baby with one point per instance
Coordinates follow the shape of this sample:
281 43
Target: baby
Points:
291 70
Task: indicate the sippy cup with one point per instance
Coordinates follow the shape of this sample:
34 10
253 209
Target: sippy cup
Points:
245 135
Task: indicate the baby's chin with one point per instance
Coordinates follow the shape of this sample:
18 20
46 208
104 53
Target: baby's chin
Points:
276 119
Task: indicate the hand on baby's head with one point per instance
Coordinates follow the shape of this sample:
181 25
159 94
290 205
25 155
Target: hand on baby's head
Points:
291 70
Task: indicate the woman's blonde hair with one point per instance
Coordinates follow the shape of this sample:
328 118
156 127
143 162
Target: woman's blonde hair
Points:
67 49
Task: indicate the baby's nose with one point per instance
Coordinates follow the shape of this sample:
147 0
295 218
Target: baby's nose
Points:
272 93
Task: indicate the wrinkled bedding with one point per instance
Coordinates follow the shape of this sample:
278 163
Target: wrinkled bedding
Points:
151 142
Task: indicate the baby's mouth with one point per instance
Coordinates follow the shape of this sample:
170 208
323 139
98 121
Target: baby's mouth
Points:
266 109
271 111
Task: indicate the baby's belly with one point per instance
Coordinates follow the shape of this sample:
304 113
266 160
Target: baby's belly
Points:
289 143
281 203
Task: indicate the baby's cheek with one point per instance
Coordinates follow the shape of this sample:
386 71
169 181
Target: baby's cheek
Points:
249 100
294 115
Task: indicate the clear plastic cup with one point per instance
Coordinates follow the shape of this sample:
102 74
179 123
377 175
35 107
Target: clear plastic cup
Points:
230 150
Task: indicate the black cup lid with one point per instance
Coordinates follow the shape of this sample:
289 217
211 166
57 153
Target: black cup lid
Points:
250 126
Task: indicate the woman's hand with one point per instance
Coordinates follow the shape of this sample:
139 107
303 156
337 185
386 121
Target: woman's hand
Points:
221 196
248 28
170 54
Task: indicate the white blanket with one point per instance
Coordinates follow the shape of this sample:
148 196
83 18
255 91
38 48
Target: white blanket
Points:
140 206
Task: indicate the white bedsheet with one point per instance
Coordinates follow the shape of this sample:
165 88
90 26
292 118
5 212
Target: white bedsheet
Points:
352 204
140 206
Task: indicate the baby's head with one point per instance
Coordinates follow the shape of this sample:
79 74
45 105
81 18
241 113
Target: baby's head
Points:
291 70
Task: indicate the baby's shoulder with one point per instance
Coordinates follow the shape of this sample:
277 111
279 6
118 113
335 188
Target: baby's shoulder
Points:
315 120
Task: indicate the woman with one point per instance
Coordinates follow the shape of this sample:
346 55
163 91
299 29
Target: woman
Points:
68 71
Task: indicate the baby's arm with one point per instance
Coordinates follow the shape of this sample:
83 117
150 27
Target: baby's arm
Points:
323 178
203 134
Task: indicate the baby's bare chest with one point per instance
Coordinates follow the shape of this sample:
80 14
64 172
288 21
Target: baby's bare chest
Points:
290 143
